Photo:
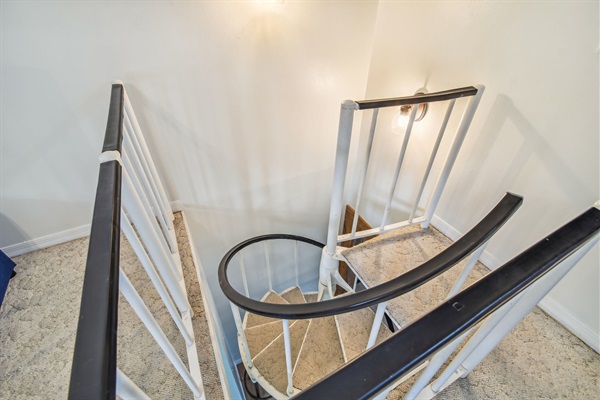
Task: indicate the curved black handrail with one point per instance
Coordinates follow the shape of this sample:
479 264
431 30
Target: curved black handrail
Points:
478 235
387 362
418 98
94 368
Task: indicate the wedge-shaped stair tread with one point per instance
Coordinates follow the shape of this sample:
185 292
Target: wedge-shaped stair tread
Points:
271 361
256 320
355 328
293 295
311 297
321 353
259 337
392 254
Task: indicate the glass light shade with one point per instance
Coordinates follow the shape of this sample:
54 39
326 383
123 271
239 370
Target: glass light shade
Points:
400 120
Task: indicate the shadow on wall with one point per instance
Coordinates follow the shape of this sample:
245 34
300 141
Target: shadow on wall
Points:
10 232
528 144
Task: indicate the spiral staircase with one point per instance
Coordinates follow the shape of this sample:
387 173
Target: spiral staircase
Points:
416 296
319 346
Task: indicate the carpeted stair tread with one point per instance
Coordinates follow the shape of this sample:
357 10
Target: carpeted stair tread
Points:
311 297
355 328
293 295
321 353
259 337
255 319
271 361
394 253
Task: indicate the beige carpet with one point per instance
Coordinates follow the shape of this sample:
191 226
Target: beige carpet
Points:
540 359
38 321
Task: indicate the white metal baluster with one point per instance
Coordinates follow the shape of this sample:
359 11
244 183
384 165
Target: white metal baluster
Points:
143 224
355 282
145 153
268 261
411 121
134 299
532 296
240 329
486 327
436 147
363 178
328 264
296 263
433 366
161 210
341 165
135 178
497 327
138 248
243 271
460 281
142 196
127 389
288 355
376 323
139 170
456 145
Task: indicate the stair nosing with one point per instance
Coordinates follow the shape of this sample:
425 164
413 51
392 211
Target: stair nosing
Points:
301 347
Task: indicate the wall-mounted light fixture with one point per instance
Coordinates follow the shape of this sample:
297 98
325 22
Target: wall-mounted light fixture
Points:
400 120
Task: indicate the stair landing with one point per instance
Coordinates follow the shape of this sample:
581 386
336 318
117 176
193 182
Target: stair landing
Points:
389 255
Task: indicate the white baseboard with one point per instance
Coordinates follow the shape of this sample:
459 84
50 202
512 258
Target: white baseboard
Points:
47 241
488 259
583 331
551 307
60 237
176 205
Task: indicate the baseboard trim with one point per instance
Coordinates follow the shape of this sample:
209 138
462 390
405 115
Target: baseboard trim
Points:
176 205
53 239
487 258
47 241
583 331
551 307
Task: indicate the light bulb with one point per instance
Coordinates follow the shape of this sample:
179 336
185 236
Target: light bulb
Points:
400 120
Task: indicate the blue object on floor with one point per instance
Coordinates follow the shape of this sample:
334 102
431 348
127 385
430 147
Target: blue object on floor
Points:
7 267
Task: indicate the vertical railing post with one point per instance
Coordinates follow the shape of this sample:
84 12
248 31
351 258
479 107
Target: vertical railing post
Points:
240 329
434 151
532 296
151 240
376 324
401 156
288 355
268 262
138 248
456 145
145 153
244 279
296 263
363 177
328 264
462 278
136 302
127 389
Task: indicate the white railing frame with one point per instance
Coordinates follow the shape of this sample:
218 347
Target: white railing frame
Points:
147 222
328 271
342 155
490 333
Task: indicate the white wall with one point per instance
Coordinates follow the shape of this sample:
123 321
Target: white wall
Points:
239 103
537 128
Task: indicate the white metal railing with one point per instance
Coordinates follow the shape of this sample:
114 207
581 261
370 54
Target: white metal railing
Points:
147 222
274 266
329 274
